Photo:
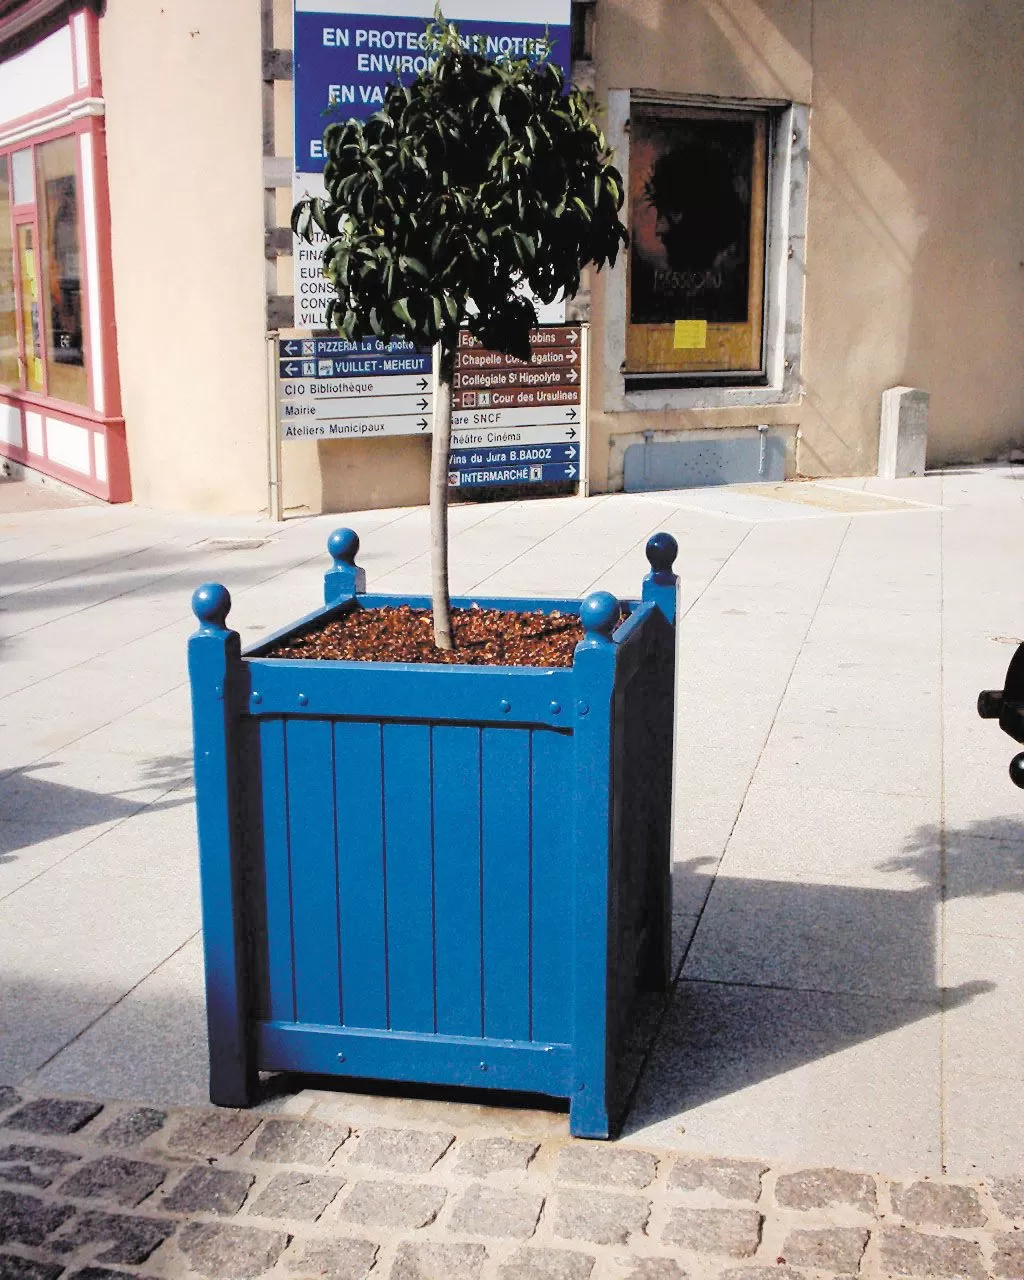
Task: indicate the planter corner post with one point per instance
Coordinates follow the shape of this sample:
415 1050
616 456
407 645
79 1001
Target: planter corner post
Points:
344 578
217 677
661 586
590 1105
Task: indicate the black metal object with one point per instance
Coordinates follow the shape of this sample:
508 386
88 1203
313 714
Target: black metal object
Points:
1007 706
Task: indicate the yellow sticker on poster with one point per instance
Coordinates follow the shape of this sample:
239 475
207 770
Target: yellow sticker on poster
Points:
690 335
37 372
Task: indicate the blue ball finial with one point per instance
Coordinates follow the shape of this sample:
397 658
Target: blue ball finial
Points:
211 604
343 544
599 613
662 550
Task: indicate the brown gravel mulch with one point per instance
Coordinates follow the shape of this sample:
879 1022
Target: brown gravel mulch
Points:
483 637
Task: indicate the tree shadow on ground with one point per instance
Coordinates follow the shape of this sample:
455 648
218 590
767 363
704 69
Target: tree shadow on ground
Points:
34 809
779 974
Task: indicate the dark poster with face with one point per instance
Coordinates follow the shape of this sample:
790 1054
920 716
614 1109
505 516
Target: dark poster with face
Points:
690 190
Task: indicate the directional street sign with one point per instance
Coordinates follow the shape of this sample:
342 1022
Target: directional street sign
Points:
518 422
353 428
491 437
515 417
329 388
472 458
385 385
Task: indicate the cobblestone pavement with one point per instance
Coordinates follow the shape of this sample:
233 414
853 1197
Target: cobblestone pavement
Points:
97 1191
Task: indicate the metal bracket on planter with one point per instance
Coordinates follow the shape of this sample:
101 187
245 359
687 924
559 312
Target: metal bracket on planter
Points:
1007 706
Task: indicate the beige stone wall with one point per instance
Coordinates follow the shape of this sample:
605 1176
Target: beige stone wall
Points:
184 118
916 238
915 251
914 248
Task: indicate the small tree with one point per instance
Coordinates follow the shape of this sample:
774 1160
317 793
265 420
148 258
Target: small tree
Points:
476 182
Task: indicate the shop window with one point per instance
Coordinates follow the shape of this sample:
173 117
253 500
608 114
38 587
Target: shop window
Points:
695 301
8 302
42 340
60 258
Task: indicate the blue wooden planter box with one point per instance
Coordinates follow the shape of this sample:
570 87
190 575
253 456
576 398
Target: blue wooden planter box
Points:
451 875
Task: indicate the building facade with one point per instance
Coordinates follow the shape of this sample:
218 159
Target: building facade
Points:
823 201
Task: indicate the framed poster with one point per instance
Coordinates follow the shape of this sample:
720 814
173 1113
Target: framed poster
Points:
697 192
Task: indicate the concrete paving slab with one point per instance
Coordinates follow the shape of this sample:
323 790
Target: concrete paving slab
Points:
821 755
150 1045
973 1144
802 835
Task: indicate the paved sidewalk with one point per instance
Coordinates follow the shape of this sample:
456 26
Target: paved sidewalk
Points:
849 861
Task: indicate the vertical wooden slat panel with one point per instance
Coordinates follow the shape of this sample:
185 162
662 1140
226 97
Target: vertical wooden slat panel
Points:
506 882
552 887
410 909
280 995
456 767
314 871
360 816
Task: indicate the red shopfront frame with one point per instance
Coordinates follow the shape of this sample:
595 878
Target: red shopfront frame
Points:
81 445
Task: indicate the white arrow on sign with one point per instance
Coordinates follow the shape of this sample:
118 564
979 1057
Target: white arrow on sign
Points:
405 384
491 418
502 436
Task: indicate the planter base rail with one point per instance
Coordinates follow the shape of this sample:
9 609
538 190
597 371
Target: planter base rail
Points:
440 874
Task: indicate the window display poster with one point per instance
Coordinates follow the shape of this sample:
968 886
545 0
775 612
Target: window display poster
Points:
690 221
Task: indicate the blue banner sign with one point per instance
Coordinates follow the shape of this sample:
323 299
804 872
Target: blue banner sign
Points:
348 52
531 473
474 459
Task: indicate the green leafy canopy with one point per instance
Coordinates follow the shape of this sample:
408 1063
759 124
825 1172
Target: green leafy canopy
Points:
481 177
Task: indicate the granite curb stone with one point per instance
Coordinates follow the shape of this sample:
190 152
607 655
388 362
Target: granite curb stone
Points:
299 1141
491 1207
296 1195
228 1252
732 1179
488 1211
53 1115
401 1150
438 1262
337 1259
599 1217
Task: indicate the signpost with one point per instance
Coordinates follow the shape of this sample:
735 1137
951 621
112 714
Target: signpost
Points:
328 388
516 423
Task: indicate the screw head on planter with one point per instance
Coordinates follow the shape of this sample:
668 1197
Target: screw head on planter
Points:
211 603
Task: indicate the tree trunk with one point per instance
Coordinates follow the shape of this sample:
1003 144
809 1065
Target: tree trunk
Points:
440 445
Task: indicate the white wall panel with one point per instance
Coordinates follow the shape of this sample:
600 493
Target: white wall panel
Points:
34 434
99 448
68 444
10 425
38 77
